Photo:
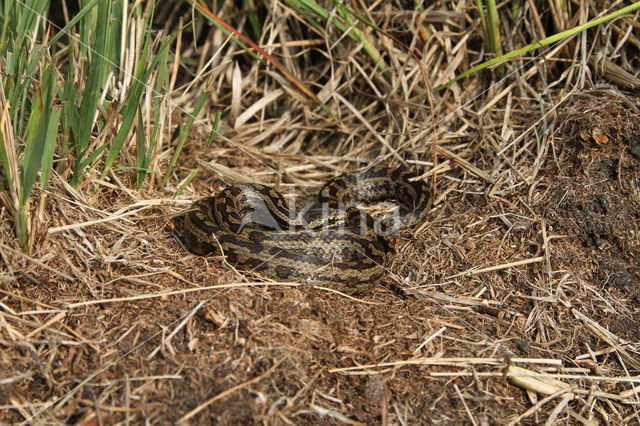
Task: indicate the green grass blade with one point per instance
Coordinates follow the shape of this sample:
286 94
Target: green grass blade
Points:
214 128
493 26
92 157
254 19
27 15
347 25
159 109
51 133
184 132
141 152
187 180
8 151
40 137
25 116
237 37
73 22
212 136
544 42
132 102
38 152
131 105
70 117
483 16
95 82
34 148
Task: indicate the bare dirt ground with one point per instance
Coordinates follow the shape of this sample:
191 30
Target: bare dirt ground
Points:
523 284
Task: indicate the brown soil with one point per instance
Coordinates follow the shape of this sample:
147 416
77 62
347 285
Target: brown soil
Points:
272 354
595 200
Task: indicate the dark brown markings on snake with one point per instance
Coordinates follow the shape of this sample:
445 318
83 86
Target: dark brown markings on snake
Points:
309 260
253 263
275 251
283 272
201 223
253 247
341 251
293 255
257 236
397 174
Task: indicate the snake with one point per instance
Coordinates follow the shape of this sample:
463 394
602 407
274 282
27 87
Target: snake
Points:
332 242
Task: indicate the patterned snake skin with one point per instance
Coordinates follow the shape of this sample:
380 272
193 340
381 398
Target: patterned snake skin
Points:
334 244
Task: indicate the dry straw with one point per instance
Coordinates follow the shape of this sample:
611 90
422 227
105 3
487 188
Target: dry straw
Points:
511 315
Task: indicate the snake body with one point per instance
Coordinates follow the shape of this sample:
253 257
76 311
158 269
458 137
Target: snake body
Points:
333 244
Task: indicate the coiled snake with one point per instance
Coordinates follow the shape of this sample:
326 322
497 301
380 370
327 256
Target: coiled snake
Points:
333 244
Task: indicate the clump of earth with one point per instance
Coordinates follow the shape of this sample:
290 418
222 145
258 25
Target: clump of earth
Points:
595 195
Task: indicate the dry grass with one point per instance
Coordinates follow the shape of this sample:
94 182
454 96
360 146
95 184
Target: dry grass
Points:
511 317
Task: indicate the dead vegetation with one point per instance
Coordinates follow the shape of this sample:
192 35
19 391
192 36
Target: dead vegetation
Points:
523 283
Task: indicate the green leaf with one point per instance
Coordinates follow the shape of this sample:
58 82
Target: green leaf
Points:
214 128
141 152
132 102
184 132
94 84
40 137
72 23
53 112
34 147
